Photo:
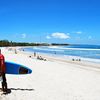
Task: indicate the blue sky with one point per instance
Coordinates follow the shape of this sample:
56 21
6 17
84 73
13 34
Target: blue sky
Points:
59 21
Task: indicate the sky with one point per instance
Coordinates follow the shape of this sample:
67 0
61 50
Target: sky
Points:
51 21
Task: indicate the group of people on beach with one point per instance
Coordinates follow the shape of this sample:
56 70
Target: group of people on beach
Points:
38 57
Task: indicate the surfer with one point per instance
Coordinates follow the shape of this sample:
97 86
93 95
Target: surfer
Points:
2 72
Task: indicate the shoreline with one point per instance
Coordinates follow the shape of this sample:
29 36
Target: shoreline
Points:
61 59
94 60
65 57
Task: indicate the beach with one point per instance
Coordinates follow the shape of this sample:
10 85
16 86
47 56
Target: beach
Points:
53 79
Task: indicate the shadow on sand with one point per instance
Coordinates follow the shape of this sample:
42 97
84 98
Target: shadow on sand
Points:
21 89
9 90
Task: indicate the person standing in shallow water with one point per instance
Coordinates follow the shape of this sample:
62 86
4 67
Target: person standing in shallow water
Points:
2 72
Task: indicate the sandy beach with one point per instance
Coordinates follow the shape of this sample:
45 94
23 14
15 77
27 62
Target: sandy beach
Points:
52 79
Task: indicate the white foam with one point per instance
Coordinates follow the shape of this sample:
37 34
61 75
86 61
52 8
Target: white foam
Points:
37 48
53 46
60 47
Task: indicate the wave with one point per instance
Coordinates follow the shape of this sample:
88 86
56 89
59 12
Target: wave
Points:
53 47
66 48
46 49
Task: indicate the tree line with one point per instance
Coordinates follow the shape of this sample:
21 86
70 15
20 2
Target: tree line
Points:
5 43
10 43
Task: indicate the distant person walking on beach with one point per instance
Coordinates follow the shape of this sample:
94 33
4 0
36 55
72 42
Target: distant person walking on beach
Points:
34 54
15 51
2 72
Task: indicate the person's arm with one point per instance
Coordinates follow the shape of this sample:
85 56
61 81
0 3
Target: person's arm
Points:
2 66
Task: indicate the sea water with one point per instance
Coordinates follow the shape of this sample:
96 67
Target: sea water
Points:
90 52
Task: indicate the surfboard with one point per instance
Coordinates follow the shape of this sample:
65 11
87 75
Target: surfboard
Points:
18 69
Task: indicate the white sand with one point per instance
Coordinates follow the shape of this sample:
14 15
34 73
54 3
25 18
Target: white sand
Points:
52 80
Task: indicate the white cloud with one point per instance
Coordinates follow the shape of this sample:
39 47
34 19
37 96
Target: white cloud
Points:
60 35
48 37
23 35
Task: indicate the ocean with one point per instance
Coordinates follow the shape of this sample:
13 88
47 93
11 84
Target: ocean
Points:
84 51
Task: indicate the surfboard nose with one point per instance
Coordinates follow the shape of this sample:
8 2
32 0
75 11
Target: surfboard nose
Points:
29 71
24 70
